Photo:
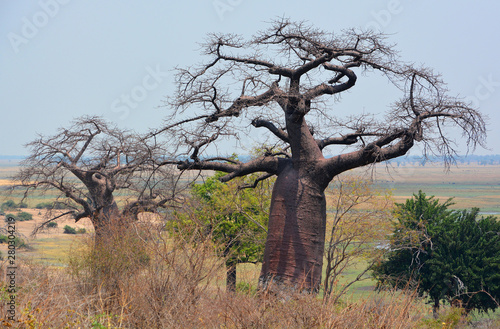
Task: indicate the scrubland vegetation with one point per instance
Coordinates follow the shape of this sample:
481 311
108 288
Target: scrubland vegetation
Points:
149 278
145 280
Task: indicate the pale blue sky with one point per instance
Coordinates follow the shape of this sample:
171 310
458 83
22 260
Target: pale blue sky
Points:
60 59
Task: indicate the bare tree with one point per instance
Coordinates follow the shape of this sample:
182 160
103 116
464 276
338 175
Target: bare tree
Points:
275 80
87 163
361 221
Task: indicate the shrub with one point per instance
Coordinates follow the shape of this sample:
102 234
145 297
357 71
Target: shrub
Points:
22 205
69 230
18 241
51 205
43 205
24 216
9 204
20 216
51 224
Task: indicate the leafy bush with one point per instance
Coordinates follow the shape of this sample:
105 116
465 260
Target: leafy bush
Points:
69 230
51 205
20 243
22 205
43 205
51 224
24 216
8 205
20 216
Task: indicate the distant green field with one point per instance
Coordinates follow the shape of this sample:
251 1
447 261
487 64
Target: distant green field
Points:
469 185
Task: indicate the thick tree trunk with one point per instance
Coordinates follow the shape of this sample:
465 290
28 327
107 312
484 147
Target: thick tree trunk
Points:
296 235
105 216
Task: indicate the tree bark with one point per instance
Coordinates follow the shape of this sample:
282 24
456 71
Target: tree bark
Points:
230 276
435 308
105 214
297 220
296 233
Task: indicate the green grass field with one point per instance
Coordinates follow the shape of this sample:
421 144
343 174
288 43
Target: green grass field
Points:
470 186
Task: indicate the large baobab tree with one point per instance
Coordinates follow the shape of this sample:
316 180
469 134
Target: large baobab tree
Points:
87 163
287 80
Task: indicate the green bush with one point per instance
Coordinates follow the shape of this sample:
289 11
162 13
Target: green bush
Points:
51 205
22 205
10 215
20 216
43 205
69 230
51 224
18 241
8 205
23 216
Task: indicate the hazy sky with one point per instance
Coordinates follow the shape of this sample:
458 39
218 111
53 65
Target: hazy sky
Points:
60 59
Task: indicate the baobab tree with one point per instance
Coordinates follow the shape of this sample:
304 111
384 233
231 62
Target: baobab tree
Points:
86 163
287 79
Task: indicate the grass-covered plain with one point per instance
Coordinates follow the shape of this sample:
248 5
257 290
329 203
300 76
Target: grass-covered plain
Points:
470 186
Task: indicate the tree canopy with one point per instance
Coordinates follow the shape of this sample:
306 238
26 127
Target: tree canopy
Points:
451 256
234 218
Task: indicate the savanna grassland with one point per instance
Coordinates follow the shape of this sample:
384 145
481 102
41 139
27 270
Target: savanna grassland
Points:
470 185
187 291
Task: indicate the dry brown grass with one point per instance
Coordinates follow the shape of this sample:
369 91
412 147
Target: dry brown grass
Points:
53 299
145 280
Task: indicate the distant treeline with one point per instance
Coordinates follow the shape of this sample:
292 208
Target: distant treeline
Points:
461 159
413 159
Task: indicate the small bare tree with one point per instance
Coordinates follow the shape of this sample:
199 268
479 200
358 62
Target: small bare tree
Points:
356 234
275 81
87 163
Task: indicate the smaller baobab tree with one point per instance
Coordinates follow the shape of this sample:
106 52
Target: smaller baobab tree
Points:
87 163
